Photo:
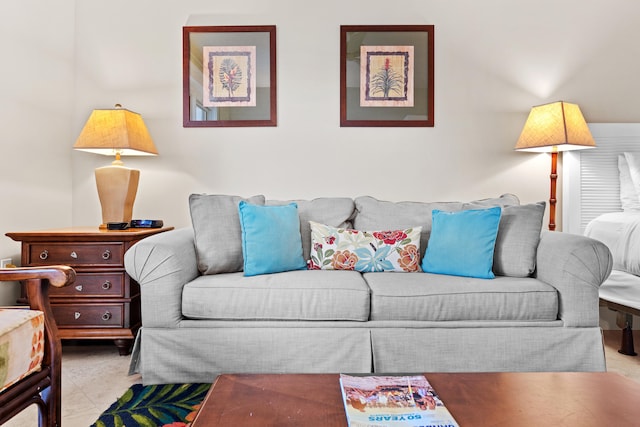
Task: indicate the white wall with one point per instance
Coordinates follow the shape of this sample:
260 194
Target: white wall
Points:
493 61
36 101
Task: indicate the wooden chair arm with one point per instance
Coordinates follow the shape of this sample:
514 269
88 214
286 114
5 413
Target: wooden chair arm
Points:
36 280
57 275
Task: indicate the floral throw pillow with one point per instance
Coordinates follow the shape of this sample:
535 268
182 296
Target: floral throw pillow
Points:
365 251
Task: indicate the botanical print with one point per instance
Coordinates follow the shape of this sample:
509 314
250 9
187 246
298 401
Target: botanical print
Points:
229 76
344 249
386 76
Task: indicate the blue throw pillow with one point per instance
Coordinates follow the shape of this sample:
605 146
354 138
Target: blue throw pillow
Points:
462 242
271 241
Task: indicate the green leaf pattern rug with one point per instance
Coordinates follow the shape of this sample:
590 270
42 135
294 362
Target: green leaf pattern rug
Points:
164 405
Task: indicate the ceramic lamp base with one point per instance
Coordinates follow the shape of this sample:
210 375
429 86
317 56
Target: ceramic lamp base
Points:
117 187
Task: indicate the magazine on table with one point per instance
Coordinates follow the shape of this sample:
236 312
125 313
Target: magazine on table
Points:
393 401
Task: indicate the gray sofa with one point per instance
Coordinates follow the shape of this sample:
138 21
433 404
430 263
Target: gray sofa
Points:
201 316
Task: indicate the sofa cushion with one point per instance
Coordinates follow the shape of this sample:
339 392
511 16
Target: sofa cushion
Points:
373 214
518 238
504 200
333 211
462 243
292 295
342 249
21 344
217 233
270 238
436 297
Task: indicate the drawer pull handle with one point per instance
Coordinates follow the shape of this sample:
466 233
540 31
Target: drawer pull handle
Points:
76 315
44 254
106 285
74 255
106 254
79 288
106 316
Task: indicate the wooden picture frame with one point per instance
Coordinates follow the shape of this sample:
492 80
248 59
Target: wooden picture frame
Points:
229 76
386 76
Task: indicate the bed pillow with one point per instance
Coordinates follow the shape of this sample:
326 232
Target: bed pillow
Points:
271 241
365 251
217 233
629 196
517 240
462 243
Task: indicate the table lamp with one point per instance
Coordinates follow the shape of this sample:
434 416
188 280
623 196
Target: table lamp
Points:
551 128
117 132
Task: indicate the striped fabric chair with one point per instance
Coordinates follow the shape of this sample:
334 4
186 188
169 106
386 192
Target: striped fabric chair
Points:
30 350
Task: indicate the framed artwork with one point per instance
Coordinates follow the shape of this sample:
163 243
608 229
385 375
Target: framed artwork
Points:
229 76
386 75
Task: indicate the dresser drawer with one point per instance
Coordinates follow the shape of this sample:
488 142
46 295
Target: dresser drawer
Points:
76 254
79 315
92 285
103 303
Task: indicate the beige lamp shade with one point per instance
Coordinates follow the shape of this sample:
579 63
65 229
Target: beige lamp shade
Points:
552 128
116 132
555 127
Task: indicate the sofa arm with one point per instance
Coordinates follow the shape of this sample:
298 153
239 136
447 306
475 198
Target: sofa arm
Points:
576 266
162 264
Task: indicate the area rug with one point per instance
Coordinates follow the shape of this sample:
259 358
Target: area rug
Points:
171 405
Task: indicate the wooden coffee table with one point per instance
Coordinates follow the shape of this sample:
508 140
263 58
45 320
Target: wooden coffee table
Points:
474 399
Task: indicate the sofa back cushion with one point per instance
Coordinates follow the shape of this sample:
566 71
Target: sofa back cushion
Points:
502 201
518 238
373 214
333 211
217 233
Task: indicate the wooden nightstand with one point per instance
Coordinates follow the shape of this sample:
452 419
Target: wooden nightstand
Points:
104 302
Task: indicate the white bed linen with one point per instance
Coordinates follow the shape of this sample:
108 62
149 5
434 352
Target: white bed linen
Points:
622 288
620 231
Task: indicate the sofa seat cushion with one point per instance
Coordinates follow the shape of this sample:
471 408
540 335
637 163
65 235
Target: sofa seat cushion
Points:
291 295
436 297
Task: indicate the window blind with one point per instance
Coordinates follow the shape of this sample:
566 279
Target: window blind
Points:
591 176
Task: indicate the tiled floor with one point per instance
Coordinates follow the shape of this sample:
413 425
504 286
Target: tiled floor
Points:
94 376
629 366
